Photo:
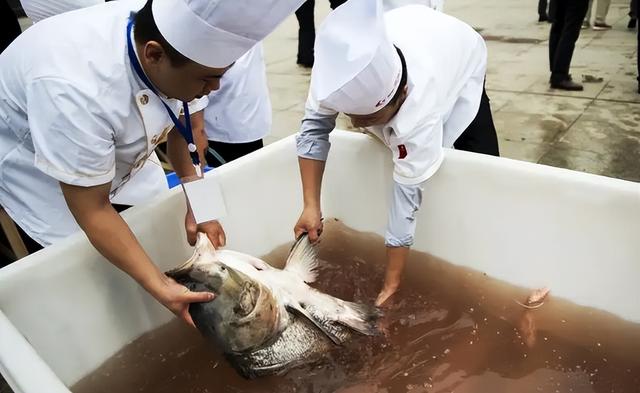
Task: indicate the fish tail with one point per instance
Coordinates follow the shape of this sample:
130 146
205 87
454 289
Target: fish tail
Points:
360 317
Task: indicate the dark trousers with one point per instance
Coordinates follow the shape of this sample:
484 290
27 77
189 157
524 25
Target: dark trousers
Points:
542 7
566 18
230 151
9 26
307 30
480 136
635 7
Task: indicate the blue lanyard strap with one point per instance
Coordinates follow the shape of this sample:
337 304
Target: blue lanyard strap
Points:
185 129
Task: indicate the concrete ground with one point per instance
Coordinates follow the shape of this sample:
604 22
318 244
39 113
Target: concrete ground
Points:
595 131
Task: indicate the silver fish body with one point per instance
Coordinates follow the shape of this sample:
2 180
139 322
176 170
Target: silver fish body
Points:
268 320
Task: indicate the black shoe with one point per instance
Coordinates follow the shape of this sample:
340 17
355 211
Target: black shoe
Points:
566 84
632 23
543 18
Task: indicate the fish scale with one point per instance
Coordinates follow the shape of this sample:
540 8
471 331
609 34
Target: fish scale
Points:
300 340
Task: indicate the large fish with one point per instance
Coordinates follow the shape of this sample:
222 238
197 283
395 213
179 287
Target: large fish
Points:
268 320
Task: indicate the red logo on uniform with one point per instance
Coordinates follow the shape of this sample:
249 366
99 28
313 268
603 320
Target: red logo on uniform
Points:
402 151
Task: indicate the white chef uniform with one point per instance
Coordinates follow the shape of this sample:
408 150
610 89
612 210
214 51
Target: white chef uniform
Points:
72 109
356 72
150 180
240 111
38 10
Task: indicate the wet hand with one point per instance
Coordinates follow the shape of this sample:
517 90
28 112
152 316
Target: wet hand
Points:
385 294
310 221
177 298
213 229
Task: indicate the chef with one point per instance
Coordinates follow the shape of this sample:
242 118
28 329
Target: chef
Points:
86 96
412 77
238 116
150 180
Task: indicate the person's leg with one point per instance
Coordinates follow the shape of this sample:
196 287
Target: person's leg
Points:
633 17
230 151
337 3
480 136
306 33
599 22
637 14
9 26
556 14
574 12
587 17
542 11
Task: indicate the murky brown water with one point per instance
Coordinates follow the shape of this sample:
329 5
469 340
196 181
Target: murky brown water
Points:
449 330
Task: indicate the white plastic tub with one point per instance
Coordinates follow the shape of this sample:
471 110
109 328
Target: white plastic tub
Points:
63 311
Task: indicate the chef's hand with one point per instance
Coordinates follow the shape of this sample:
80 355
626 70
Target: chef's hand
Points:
177 298
310 221
213 229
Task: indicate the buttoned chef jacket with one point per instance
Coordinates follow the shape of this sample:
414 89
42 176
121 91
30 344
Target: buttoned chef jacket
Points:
72 110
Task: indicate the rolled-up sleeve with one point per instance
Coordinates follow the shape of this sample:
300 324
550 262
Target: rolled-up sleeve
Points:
313 139
404 205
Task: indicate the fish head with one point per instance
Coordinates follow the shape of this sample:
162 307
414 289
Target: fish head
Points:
243 315
204 266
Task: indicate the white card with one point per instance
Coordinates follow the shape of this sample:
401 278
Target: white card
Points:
206 200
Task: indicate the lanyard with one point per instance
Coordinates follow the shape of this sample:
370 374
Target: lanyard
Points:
185 129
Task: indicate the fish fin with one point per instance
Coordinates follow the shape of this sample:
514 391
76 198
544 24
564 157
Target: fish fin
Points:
203 246
303 259
360 317
300 310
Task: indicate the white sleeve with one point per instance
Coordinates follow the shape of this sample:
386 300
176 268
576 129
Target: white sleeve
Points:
417 154
72 140
401 224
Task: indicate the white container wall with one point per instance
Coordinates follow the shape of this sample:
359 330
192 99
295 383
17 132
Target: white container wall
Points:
65 310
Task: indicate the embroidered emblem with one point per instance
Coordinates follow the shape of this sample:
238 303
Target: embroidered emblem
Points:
402 151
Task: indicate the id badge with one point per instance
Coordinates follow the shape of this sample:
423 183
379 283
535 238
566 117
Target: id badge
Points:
206 199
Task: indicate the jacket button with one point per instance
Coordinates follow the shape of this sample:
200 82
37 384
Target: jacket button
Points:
144 99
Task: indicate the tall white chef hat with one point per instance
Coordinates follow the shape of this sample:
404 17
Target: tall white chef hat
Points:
216 33
357 69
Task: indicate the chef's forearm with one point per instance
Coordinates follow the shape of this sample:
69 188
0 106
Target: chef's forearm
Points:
111 235
311 172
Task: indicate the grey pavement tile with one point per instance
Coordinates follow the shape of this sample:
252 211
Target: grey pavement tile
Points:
536 118
524 151
286 99
499 99
605 140
617 166
622 89
285 123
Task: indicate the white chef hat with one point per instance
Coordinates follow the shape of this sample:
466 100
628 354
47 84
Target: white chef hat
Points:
357 69
216 33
